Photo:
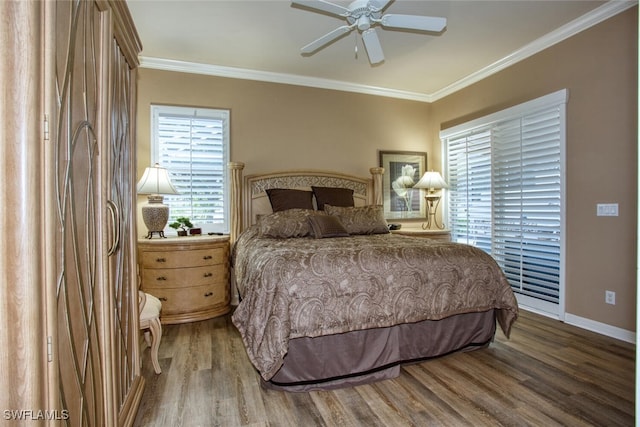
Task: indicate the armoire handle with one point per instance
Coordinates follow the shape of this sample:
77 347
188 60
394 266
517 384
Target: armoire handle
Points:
114 213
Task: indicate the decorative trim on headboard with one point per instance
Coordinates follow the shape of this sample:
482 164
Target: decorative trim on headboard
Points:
248 193
299 181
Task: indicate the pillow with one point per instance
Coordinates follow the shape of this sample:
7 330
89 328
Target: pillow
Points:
360 220
286 224
327 226
333 196
282 199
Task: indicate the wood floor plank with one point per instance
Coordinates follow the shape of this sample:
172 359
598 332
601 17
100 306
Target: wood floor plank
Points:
548 373
355 399
333 410
461 397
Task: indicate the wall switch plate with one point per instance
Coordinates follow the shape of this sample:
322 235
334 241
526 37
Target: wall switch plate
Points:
610 297
607 209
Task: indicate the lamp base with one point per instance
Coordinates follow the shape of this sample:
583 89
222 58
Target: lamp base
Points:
155 215
433 200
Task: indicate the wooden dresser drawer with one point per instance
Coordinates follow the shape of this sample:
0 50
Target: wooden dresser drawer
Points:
177 301
188 258
179 277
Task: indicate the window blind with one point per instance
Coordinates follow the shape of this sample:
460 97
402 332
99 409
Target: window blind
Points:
470 203
193 144
505 193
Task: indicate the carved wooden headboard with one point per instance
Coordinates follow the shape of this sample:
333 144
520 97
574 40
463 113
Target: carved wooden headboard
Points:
249 199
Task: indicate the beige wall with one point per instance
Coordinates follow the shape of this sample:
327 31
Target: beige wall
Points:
276 126
280 127
599 67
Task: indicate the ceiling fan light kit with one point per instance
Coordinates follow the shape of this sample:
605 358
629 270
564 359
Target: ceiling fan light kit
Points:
364 15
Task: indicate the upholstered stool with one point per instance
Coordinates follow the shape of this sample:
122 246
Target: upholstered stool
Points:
150 307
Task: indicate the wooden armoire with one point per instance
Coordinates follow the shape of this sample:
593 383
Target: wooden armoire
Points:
69 339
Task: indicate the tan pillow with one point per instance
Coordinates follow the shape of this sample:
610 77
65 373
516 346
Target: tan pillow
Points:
286 224
327 226
360 220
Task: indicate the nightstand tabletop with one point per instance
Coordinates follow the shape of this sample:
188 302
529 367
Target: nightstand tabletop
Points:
419 232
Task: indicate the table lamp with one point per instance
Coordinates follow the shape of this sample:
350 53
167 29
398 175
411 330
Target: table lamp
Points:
431 181
155 182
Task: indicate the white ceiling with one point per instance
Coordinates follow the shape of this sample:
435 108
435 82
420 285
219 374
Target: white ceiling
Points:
262 39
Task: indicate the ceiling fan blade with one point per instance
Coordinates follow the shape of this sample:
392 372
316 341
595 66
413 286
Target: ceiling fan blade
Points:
324 6
372 44
326 39
380 5
414 22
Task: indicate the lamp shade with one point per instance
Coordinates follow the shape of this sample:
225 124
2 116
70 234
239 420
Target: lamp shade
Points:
155 180
431 180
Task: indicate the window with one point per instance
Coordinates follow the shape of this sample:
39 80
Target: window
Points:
505 174
193 144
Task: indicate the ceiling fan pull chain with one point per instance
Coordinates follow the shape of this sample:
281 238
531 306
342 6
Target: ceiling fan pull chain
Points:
355 38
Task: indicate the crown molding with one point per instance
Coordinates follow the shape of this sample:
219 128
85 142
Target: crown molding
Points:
574 27
570 29
266 76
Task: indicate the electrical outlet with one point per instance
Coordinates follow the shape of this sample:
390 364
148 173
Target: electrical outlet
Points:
610 297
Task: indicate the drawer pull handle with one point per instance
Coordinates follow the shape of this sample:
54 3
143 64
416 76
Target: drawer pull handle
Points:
161 278
207 257
208 274
208 294
161 260
162 298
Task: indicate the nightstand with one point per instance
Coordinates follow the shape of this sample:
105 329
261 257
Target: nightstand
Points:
189 275
443 235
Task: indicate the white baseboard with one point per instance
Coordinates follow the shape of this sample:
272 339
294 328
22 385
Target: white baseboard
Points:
600 328
580 322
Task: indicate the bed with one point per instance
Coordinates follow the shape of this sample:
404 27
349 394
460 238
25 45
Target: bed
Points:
328 298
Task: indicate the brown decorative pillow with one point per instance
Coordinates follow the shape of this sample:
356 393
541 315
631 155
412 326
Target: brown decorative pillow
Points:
360 220
327 226
333 196
286 224
282 199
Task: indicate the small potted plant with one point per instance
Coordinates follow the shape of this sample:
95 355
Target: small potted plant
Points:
182 225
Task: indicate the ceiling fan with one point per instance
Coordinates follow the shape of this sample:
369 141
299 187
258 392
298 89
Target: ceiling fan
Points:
364 15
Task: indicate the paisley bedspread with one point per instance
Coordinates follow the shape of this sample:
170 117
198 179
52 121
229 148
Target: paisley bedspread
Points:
306 287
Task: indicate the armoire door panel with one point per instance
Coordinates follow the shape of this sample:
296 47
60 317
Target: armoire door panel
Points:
120 192
96 291
78 201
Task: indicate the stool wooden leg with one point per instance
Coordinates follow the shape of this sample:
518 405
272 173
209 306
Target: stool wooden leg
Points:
147 337
156 335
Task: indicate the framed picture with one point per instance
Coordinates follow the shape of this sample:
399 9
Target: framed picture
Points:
402 170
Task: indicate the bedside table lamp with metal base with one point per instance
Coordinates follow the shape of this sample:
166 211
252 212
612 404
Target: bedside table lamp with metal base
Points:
432 181
155 182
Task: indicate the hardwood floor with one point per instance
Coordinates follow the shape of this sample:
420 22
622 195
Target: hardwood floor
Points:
547 374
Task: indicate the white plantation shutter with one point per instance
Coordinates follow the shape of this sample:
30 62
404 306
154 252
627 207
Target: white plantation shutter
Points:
505 194
470 205
193 144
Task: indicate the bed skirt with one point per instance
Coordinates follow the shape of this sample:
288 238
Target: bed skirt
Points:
362 357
